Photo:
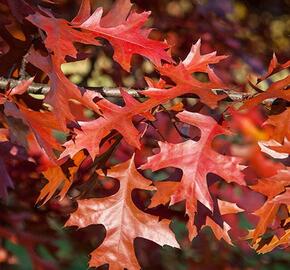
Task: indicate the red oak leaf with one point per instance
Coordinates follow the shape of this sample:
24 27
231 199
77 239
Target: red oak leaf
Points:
262 166
125 32
222 232
122 28
267 214
280 126
20 88
274 67
270 187
273 185
122 219
219 232
284 148
275 242
275 149
57 179
277 89
17 90
62 90
163 195
195 62
196 160
284 197
228 207
248 123
164 191
41 123
181 75
113 117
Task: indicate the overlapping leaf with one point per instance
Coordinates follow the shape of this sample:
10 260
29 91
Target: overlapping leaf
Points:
280 126
61 89
182 76
270 187
120 118
166 189
57 179
41 123
196 159
277 89
122 219
122 28
113 117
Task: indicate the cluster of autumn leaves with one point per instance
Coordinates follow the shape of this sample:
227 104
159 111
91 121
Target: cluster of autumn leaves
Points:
266 138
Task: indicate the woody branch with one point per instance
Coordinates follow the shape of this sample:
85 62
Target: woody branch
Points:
38 88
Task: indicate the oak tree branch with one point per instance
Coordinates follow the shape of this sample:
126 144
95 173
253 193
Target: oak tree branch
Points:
39 88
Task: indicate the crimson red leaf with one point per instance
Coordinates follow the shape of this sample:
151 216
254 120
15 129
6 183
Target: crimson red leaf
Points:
124 30
196 160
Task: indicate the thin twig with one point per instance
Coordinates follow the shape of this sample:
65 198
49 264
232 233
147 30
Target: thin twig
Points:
39 88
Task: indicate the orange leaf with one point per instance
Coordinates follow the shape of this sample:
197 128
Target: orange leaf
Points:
122 219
